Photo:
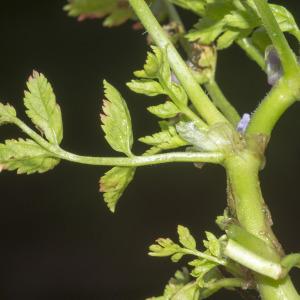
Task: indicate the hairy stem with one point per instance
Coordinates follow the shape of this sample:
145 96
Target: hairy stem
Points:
252 51
281 97
197 96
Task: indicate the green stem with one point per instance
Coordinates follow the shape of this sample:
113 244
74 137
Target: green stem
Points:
281 97
174 16
222 283
248 206
183 107
205 256
222 103
252 52
212 87
286 55
197 96
134 161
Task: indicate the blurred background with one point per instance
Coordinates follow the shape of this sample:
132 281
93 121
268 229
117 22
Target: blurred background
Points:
58 239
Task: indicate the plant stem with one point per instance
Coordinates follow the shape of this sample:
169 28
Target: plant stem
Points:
252 52
212 87
205 256
250 210
134 161
222 283
197 96
222 103
286 55
281 97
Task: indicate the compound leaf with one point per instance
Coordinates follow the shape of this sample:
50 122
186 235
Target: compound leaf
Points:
116 121
165 140
114 183
42 108
25 156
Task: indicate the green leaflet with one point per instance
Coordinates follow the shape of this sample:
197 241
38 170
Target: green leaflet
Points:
164 247
185 237
212 244
25 156
146 86
225 21
117 11
285 20
156 78
42 108
116 121
7 113
165 140
196 6
165 111
114 183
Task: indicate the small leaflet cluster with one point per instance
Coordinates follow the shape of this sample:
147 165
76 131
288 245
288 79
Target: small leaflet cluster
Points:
225 21
27 156
156 79
199 282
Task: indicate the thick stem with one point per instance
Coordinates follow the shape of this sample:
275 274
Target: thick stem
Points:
248 206
281 97
197 96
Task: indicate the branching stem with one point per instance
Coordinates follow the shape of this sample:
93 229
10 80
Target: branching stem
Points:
197 96
134 161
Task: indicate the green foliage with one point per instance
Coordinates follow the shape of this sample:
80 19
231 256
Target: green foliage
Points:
166 110
226 21
29 156
185 238
204 267
7 114
167 139
115 11
114 183
116 121
155 79
196 6
42 108
25 156
212 244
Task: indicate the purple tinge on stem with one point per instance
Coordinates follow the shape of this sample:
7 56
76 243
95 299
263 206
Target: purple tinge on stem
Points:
273 65
243 124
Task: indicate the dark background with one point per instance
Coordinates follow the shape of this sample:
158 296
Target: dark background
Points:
58 239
